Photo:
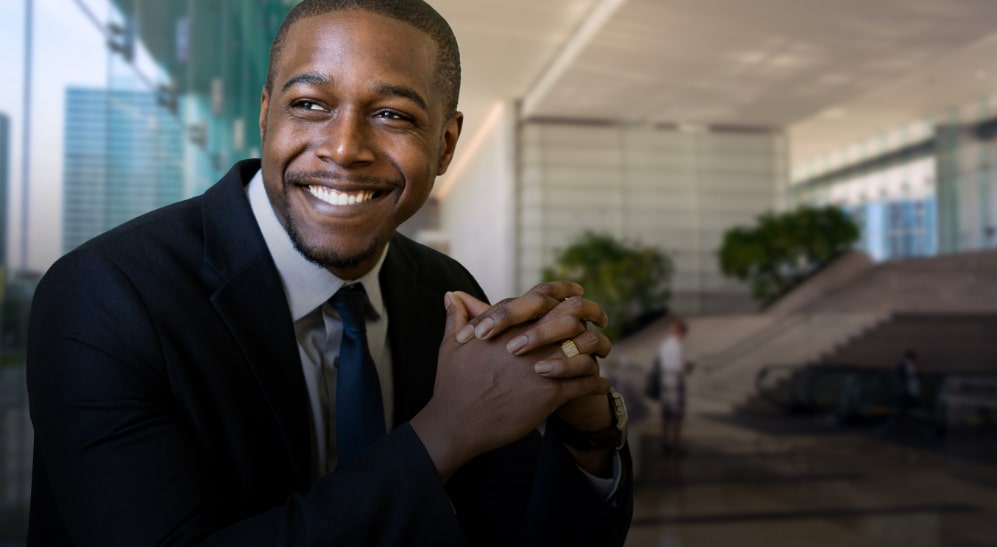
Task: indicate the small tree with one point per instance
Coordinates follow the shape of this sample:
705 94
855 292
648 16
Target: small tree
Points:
782 250
630 281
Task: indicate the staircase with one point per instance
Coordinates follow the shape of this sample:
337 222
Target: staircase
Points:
854 311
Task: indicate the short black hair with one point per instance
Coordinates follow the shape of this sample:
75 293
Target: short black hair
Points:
414 12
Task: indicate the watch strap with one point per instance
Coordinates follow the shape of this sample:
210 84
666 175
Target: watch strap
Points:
611 437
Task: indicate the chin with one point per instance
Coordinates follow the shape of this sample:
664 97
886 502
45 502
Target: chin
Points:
336 259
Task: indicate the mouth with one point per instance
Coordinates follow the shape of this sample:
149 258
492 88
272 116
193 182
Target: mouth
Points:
342 198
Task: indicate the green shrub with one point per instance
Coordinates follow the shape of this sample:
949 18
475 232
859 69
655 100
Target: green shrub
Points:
781 250
630 281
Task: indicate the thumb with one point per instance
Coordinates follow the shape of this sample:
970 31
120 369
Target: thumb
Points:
456 314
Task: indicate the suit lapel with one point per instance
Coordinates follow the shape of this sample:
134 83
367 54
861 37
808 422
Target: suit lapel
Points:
415 328
250 300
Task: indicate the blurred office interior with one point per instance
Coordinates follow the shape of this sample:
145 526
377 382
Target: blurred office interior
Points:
665 123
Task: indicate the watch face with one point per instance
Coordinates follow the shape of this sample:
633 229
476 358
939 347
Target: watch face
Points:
619 410
619 416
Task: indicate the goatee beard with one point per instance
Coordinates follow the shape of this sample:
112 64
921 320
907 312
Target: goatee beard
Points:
330 260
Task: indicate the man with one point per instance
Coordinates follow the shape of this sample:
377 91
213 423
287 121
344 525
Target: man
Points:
187 370
908 391
674 368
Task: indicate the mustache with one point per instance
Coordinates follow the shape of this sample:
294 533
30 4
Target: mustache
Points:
305 177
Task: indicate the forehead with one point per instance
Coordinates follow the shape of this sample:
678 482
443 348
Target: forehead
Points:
358 41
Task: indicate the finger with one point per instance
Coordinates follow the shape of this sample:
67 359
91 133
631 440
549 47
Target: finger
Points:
565 321
575 367
456 314
559 290
593 342
474 306
545 332
562 365
584 310
537 302
574 388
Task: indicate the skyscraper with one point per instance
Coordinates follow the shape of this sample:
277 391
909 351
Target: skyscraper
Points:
4 185
123 157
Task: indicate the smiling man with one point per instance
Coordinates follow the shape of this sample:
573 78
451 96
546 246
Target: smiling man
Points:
272 364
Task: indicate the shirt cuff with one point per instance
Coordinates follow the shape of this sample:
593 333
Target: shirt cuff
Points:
607 486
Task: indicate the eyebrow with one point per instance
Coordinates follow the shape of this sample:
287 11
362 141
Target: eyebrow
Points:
308 78
313 78
405 92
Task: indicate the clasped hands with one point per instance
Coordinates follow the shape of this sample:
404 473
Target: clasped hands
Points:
502 372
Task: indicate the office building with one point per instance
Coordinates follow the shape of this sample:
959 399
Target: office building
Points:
123 157
4 184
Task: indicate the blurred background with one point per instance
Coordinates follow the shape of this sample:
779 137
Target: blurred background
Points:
809 184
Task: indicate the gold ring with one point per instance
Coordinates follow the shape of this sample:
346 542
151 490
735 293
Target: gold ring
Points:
569 348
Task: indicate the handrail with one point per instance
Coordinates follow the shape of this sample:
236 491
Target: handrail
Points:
715 361
849 394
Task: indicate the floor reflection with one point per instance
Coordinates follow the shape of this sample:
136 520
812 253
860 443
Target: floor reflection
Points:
782 481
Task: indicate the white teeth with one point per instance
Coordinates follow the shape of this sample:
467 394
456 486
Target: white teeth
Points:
335 197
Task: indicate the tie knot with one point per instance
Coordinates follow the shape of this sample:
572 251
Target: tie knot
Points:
350 303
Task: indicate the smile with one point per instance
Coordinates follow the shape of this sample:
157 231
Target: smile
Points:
335 197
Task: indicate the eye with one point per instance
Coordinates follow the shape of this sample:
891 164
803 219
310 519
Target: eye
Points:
392 115
306 104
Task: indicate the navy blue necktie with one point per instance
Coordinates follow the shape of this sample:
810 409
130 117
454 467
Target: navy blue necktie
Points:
359 410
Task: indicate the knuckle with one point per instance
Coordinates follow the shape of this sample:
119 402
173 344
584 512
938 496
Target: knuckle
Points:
537 300
500 313
574 305
544 289
591 339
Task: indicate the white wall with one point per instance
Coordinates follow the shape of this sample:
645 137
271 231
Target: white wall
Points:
675 190
478 205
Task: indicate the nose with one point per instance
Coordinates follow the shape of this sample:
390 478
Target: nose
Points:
346 140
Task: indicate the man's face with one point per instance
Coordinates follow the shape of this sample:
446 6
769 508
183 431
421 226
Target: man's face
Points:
353 135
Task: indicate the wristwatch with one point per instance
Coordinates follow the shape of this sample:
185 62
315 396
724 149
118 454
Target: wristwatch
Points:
615 436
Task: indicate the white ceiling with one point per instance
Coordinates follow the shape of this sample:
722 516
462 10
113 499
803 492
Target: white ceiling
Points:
829 72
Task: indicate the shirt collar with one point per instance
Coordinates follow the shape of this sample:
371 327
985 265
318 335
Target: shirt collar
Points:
306 284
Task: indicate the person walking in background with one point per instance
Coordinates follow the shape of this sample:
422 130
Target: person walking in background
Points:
674 368
908 385
908 392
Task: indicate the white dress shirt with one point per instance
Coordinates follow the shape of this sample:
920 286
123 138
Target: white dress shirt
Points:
308 288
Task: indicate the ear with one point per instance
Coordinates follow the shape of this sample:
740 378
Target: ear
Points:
451 132
264 110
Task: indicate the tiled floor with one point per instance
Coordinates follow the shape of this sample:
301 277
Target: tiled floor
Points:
789 482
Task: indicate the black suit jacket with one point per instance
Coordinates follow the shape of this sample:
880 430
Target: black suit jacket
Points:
169 406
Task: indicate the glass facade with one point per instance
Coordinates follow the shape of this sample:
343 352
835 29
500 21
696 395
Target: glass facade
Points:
4 183
894 202
123 157
211 58
893 230
932 180
119 107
